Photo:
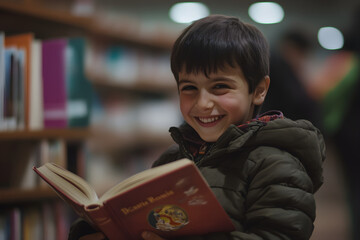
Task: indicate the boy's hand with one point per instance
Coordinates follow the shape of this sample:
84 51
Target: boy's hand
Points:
101 236
94 236
151 236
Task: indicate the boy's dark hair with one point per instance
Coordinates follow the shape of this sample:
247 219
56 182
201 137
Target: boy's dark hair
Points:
210 43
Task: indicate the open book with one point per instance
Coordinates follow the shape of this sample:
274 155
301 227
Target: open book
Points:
171 200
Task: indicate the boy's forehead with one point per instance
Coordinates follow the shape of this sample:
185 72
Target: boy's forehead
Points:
224 70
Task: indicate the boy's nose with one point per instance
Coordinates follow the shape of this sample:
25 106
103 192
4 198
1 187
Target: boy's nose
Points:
205 100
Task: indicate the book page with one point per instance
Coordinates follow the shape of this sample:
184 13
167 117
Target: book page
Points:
142 177
70 183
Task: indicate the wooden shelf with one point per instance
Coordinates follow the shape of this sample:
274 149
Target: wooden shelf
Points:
67 134
105 140
10 196
92 25
47 14
144 87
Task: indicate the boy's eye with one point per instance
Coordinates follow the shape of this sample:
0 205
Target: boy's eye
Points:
221 86
188 88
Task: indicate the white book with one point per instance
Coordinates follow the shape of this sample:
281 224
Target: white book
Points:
36 88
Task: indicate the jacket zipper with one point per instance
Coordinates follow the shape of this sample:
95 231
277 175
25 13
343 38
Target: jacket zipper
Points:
207 153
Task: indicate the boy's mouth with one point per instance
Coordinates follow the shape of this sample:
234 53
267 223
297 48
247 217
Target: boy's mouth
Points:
209 121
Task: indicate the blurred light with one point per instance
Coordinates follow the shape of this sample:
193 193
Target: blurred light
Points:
83 8
330 38
187 12
266 12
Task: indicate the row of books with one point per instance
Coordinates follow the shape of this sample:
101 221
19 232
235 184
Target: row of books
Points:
18 159
129 66
116 167
49 221
43 83
129 117
85 159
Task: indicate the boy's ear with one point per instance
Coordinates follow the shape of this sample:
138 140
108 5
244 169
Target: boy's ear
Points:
261 91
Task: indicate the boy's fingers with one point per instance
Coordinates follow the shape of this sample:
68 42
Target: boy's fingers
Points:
94 236
151 236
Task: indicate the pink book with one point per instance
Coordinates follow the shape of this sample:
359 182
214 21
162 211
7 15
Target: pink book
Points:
54 83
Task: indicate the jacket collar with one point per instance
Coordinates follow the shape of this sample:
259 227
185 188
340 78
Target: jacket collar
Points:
263 119
187 137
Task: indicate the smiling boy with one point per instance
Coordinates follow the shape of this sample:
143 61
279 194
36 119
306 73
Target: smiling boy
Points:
263 169
210 104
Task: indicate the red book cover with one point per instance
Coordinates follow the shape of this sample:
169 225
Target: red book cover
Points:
23 41
177 202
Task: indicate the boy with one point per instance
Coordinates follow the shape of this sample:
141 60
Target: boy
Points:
262 169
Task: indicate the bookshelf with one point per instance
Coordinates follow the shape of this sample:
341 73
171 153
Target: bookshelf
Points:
46 22
38 11
147 86
16 196
91 25
36 135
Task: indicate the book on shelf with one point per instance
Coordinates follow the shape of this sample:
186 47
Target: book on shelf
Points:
22 42
9 118
32 224
54 83
171 200
48 221
10 223
13 101
36 88
67 93
17 160
43 83
2 77
78 88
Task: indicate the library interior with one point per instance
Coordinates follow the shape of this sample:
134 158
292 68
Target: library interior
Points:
87 84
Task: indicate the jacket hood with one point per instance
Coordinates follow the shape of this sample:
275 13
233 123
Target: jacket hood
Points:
300 138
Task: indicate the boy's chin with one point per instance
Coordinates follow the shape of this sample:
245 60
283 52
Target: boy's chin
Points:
210 138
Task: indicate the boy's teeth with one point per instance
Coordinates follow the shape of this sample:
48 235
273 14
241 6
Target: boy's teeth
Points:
208 120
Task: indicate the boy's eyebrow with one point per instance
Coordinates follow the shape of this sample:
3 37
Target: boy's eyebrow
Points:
221 79
217 79
185 81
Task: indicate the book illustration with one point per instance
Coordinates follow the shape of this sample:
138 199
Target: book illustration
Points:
168 218
191 191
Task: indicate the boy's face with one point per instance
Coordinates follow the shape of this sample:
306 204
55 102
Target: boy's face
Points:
211 104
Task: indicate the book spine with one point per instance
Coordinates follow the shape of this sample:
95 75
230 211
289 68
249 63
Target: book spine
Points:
78 87
54 83
98 215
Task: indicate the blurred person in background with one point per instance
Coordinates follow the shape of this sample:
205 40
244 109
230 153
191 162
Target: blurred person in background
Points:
288 75
337 87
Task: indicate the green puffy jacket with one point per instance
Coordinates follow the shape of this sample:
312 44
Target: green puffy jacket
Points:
264 175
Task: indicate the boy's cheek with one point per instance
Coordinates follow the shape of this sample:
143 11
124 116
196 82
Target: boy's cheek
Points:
185 106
